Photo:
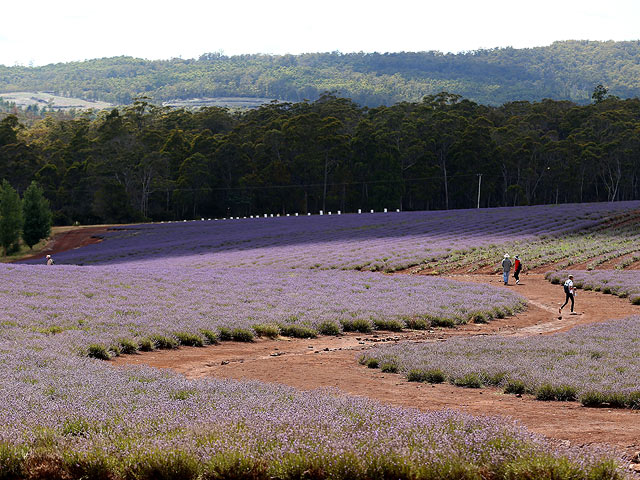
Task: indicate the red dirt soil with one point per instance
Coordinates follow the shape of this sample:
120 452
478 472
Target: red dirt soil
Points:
68 239
331 362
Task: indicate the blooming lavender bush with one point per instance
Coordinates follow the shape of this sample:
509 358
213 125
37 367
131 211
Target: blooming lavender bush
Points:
625 284
597 363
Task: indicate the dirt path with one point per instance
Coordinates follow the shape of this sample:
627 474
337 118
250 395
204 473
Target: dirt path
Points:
68 238
332 362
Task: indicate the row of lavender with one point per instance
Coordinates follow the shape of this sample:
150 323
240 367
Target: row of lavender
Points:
364 242
71 417
624 284
614 242
125 305
596 364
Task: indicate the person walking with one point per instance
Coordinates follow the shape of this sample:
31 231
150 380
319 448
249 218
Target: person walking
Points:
569 291
49 260
506 267
517 267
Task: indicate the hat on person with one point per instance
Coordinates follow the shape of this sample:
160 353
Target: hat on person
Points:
517 256
506 255
48 256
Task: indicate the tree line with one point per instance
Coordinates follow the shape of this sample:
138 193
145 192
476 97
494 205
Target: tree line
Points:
145 162
565 70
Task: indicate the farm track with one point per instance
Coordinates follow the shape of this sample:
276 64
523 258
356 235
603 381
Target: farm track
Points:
331 362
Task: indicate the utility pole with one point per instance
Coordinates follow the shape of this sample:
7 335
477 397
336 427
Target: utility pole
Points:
479 186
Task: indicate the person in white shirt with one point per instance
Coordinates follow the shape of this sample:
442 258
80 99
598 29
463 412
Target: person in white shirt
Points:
49 260
569 291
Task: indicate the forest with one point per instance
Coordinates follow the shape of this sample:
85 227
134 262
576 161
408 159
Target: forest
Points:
146 162
566 70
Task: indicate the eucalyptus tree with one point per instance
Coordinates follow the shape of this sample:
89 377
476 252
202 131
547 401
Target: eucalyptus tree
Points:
36 215
10 217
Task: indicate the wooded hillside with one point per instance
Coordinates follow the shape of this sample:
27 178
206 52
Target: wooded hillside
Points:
566 70
147 162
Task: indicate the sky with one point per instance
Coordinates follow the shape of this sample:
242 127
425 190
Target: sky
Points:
40 32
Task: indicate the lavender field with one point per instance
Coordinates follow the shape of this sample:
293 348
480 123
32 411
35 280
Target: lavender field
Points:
625 284
80 306
148 286
77 418
596 364
616 241
389 242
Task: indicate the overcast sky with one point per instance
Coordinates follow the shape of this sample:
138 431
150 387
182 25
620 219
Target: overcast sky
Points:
39 32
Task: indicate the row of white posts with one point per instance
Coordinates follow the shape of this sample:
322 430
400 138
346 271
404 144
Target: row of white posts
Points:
277 215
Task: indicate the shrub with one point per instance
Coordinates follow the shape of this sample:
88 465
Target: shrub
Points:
297 331
224 466
210 336
358 325
417 323
617 400
433 375
163 465
566 393
633 400
515 386
98 351
442 322
479 318
12 461
469 380
268 330
242 335
592 399
372 363
389 367
546 392
128 346
147 345
93 465
329 328
189 339
635 299
391 325
224 334
164 342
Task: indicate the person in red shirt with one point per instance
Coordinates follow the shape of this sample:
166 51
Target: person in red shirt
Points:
517 265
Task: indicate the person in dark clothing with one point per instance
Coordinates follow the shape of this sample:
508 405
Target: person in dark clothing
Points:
569 291
517 267
506 266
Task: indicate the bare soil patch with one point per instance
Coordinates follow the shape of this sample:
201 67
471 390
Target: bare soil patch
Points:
69 238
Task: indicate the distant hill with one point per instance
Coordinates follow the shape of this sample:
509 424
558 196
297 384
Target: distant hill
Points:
567 70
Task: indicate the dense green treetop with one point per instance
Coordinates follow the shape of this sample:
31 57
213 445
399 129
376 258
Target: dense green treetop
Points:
565 70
